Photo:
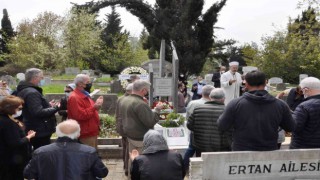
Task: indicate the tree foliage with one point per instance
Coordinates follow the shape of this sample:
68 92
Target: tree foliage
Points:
36 42
289 53
82 40
6 33
179 21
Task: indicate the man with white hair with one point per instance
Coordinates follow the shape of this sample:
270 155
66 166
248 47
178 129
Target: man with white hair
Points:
203 124
307 116
66 158
206 90
84 110
137 116
231 82
119 127
38 114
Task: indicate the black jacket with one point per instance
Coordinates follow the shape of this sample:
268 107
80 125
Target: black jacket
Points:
216 79
158 166
307 117
15 149
255 118
65 159
203 124
37 113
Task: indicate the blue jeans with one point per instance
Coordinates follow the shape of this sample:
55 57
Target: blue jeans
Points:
189 153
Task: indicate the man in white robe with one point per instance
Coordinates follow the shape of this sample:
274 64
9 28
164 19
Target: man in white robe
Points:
231 82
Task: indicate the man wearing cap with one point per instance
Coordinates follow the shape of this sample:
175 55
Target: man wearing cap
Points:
64 101
231 82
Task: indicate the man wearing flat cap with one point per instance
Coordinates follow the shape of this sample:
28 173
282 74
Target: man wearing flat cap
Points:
231 82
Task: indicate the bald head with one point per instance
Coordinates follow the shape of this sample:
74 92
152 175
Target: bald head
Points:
69 128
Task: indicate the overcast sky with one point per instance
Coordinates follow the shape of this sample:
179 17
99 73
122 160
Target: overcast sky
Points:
243 20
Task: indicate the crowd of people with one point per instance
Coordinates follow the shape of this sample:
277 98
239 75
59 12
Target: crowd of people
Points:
219 117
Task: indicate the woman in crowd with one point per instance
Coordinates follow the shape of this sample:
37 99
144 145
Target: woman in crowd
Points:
14 144
156 161
181 100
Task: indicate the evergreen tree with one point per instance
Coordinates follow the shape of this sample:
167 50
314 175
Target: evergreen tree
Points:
112 27
6 34
181 22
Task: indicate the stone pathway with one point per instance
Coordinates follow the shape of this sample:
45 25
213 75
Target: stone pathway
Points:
116 172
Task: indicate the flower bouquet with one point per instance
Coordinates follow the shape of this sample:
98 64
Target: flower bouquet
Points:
172 120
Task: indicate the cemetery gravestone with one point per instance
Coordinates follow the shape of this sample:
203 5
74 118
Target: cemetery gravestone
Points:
116 87
106 76
275 80
21 76
155 65
72 71
208 79
281 87
88 72
10 80
247 69
249 165
47 80
302 76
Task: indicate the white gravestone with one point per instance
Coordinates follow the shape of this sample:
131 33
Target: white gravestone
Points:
302 76
208 79
275 80
250 165
21 76
72 70
247 69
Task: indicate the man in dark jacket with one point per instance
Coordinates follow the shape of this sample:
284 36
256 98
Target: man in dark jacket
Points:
66 158
216 77
38 114
255 117
307 116
203 124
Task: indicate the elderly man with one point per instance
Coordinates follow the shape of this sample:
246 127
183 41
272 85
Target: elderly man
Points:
84 110
66 158
38 114
197 88
255 117
231 82
307 115
203 124
119 127
137 116
217 75
206 90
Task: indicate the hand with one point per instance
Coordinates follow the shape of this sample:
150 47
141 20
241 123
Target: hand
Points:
133 154
232 81
52 102
99 102
31 134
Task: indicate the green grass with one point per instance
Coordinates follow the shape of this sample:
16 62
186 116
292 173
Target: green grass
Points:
64 77
104 80
53 88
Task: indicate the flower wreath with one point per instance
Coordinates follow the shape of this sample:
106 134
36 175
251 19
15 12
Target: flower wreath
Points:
132 70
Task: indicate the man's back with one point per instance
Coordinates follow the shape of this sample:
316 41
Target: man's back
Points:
65 159
255 118
138 117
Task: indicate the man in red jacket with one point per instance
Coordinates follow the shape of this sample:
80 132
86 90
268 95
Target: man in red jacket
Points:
84 110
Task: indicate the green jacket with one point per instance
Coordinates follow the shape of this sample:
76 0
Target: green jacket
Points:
138 117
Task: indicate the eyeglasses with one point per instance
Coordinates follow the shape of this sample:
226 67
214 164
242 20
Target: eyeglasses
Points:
67 91
20 108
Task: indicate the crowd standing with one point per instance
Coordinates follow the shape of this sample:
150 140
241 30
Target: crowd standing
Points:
220 119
